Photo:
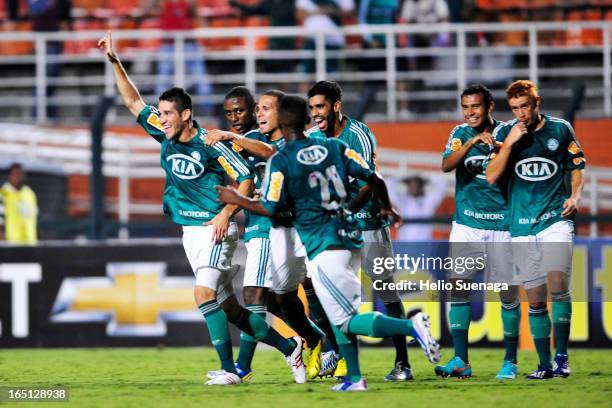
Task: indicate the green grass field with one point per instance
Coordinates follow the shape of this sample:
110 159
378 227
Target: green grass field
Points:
174 377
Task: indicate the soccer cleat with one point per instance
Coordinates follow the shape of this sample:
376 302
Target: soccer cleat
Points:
561 366
294 360
245 375
329 362
399 373
420 328
508 371
224 378
340 371
313 360
360 385
541 374
456 367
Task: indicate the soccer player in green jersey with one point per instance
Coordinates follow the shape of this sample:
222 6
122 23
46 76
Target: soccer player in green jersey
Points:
325 103
283 259
480 229
538 151
209 234
256 146
313 173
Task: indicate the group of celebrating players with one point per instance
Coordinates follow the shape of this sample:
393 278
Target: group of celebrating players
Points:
316 210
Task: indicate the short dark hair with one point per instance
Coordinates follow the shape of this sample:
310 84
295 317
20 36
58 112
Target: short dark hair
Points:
295 109
331 91
15 166
278 94
179 96
241 92
474 89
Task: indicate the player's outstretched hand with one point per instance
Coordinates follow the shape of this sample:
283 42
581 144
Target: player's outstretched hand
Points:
106 44
228 195
217 135
393 215
220 225
570 207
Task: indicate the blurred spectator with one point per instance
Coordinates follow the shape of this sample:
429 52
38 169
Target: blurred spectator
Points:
12 9
180 15
321 15
19 208
50 16
281 13
417 203
429 12
372 12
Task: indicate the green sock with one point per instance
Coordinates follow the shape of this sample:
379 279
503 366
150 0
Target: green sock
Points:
511 320
539 323
349 349
561 317
317 314
216 321
266 334
247 342
376 324
459 316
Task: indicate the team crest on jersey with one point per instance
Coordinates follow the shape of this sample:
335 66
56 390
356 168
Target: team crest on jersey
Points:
153 120
276 185
185 167
356 157
474 166
573 148
196 155
312 155
552 144
536 169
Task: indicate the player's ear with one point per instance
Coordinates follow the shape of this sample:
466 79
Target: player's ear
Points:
186 115
491 106
337 106
537 101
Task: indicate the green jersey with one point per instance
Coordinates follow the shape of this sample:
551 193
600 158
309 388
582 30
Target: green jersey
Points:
535 174
360 138
478 204
313 174
255 225
193 169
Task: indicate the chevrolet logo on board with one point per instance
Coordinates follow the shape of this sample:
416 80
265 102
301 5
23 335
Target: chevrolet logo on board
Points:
134 299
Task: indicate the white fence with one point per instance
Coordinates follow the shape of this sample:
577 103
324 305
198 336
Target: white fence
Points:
128 157
86 75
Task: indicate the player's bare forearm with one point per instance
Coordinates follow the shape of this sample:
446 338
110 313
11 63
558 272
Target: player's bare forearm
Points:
497 166
453 160
577 179
378 187
256 148
230 195
364 195
128 91
245 188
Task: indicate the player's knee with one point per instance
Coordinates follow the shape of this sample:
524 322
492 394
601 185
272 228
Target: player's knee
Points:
203 294
537 305
232 309
509 296
254 295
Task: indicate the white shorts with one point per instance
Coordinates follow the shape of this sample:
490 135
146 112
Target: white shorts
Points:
211 263
334 278
549 250
287 259
257 271
492 247
377 244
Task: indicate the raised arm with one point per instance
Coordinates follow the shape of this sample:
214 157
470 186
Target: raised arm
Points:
453 160
254 147
131 97
497 166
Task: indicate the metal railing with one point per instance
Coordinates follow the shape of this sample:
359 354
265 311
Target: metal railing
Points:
129 157
86 74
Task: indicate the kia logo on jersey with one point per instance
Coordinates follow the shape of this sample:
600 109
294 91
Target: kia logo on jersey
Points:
474 166
312 155
185 167
536 169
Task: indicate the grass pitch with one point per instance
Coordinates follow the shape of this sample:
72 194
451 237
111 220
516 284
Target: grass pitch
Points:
174 377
